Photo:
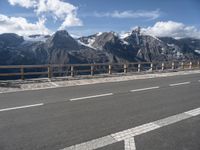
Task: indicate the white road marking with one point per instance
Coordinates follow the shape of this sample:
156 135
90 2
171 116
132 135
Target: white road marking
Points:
129 144
21 107
194 112
172 119
144 89
93 144
128 135
177 84
89 97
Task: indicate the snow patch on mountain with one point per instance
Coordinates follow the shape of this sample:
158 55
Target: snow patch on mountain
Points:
36 38
125 42
100 33
124 35
179 54
170 45
91 41
87 45
197 51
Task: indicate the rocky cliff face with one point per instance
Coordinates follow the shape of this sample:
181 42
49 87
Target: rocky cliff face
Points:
102 47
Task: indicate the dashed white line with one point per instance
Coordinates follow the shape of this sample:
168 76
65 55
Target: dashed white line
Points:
92 96
182 83
128 135
144 89
21 107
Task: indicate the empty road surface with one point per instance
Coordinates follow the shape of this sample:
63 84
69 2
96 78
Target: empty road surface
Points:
147 114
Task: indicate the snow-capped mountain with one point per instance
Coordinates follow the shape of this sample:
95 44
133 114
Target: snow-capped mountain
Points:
61 47
141 47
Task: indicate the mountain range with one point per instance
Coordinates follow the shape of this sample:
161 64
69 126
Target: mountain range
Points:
62 48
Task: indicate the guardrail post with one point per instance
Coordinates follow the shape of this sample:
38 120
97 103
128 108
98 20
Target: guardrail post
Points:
92 70
163 66
190 65
49 72
72 71
173 66
151 67
139 67
125 68
110 69
198 64
22 72
182 65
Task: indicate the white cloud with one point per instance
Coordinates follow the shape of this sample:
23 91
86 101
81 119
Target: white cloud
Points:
23 3
130 14
21 26
59 9
138 14
172 29
69 21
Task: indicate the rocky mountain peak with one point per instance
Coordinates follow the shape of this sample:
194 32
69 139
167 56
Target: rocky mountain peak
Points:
62 33
62 40
105 38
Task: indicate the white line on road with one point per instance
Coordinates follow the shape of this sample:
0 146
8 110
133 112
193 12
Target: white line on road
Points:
177 84
129 144
128 135
89 97
194 112
21 107
144 89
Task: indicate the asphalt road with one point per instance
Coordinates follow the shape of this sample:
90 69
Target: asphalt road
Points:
54 119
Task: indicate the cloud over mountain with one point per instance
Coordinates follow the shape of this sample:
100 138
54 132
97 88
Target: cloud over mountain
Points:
172 29
58 9
21 26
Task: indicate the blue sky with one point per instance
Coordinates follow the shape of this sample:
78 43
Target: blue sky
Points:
90 16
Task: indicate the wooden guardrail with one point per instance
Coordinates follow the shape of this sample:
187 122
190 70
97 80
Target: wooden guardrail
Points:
51 70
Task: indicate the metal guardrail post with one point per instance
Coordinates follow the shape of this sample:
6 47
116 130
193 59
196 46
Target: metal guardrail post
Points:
125 68
110 69
139 67
173 66
22 72
72 71
182 65
92 70
163 66
190 65
151 67
49 72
